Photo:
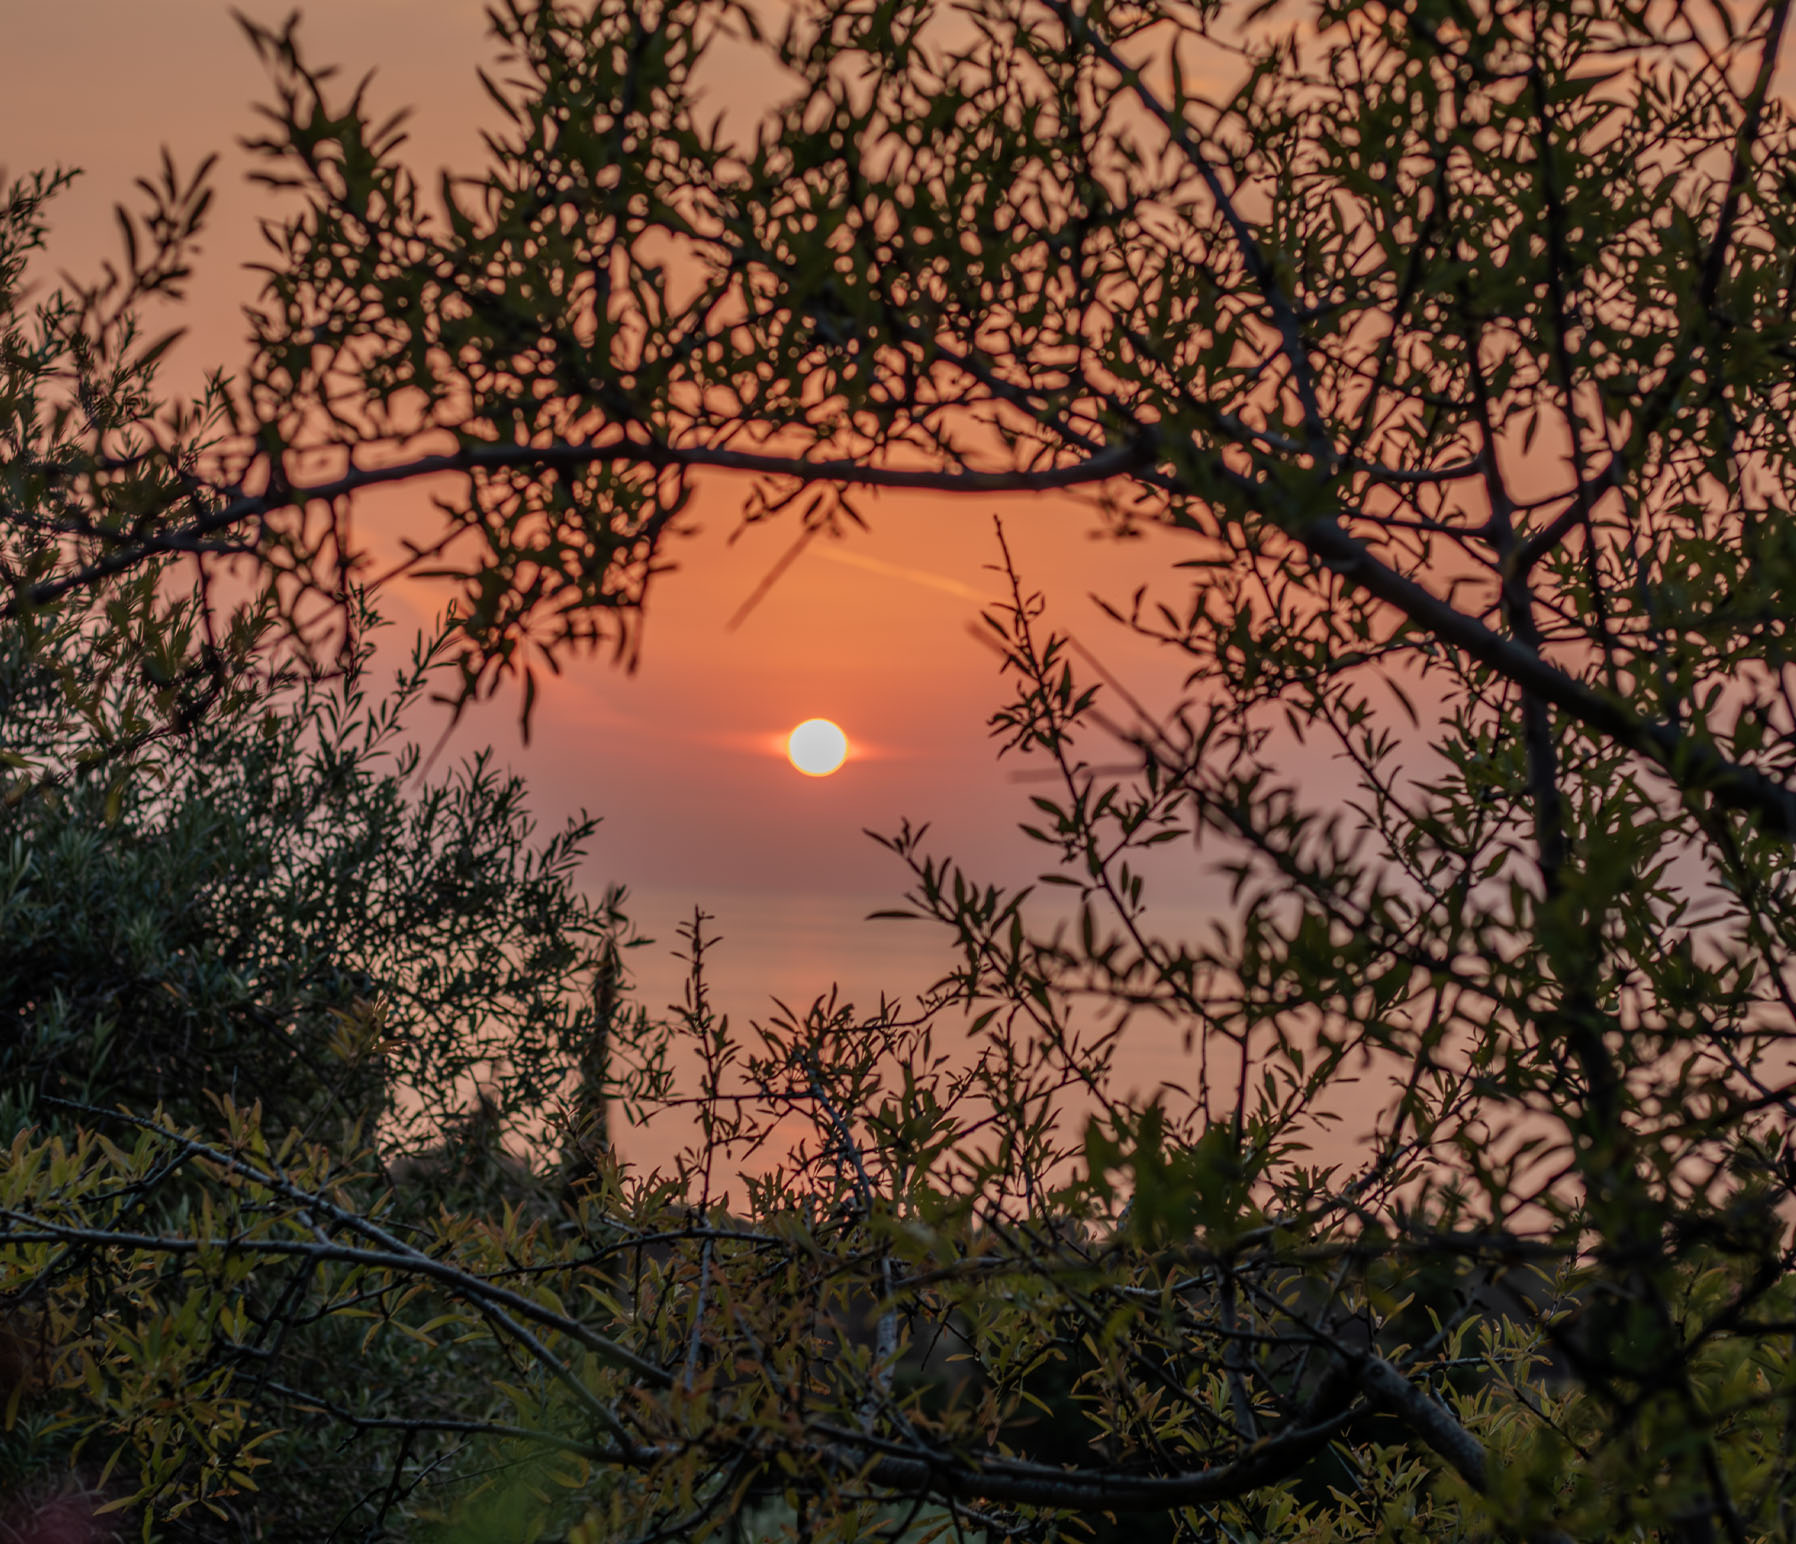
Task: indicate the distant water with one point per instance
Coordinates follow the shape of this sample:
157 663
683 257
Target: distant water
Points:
790 947
795 947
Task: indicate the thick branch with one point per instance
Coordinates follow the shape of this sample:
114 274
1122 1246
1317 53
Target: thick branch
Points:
1018 1483
1715 263
568 455
1436 1425
1693 766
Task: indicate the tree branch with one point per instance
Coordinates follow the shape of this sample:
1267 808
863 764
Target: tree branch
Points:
1115 461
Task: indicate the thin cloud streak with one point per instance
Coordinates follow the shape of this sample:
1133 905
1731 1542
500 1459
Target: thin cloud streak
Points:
920 576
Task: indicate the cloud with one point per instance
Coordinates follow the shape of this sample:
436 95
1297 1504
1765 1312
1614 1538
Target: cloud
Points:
930 581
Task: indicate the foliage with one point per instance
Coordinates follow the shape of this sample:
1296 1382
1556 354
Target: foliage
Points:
1456 339
226 873
283 908
226 868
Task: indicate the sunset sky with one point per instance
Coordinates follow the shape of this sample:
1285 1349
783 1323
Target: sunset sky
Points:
684 759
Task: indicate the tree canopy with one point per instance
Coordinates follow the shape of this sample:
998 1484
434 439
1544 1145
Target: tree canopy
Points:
1456 339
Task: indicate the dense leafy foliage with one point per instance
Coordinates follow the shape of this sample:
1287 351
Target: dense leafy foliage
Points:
1456 339
285 911
226 878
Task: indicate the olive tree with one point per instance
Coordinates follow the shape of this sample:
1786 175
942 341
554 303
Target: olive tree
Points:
1455 340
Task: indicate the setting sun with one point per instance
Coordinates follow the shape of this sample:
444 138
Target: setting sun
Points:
817 747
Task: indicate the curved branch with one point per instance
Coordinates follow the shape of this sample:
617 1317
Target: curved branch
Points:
1693 766
1115 461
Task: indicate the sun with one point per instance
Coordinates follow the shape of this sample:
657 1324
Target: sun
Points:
817 747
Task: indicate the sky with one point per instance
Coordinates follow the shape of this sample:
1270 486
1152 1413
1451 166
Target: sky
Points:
682 759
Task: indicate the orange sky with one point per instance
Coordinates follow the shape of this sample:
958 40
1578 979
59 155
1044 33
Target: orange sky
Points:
682 758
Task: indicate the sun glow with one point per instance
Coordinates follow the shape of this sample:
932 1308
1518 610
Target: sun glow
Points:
817 747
